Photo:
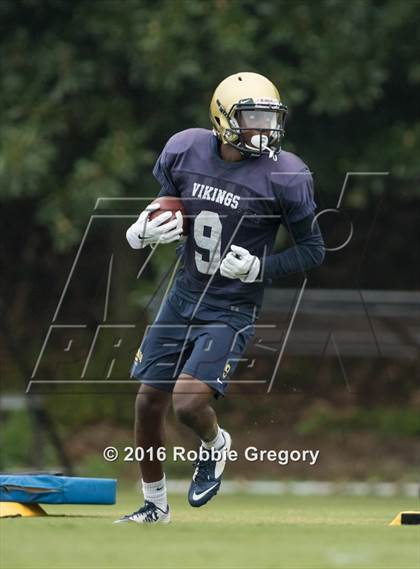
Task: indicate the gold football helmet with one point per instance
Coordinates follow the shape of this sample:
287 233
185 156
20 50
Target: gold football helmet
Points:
247 113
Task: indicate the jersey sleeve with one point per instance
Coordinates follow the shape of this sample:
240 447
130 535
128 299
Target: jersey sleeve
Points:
296 199
162 172
307 251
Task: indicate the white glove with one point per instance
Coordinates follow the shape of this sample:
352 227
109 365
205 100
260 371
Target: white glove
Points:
240 264
147 231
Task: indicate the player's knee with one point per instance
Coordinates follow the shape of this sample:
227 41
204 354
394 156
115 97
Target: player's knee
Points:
185 410
148 405
141 405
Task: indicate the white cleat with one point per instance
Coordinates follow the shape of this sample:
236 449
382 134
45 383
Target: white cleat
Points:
147 514
207 476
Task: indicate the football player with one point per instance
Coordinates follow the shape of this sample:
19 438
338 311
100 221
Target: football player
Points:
237 186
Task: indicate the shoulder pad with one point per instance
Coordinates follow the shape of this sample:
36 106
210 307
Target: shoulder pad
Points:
186 139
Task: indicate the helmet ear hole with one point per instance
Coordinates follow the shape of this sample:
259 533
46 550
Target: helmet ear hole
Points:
217 120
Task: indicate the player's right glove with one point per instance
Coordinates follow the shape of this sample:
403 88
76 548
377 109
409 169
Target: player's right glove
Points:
147 231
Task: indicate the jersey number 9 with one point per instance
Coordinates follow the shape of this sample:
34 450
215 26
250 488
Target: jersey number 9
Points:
208 236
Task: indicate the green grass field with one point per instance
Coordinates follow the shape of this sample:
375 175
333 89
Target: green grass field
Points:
238 531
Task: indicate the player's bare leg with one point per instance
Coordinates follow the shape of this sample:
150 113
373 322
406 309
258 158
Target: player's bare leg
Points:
150 409
150 416
191 401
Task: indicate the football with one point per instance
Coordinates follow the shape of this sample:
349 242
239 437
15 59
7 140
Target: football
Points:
172 204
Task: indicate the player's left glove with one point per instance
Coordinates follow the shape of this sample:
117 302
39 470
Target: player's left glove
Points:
240 264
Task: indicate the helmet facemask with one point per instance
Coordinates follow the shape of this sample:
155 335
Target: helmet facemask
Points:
256 127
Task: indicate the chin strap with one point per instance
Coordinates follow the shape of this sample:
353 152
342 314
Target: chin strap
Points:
271 153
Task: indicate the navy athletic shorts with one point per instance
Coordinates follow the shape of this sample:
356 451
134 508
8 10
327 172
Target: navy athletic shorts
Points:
206 345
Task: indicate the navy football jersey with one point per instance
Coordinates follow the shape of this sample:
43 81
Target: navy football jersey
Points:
240 203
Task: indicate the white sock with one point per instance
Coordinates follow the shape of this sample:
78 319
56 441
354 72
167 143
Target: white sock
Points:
156 492
217 442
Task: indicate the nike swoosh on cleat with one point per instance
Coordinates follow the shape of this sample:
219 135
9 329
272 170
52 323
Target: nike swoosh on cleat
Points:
196 497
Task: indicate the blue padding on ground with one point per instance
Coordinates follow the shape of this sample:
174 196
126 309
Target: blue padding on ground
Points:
50 489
